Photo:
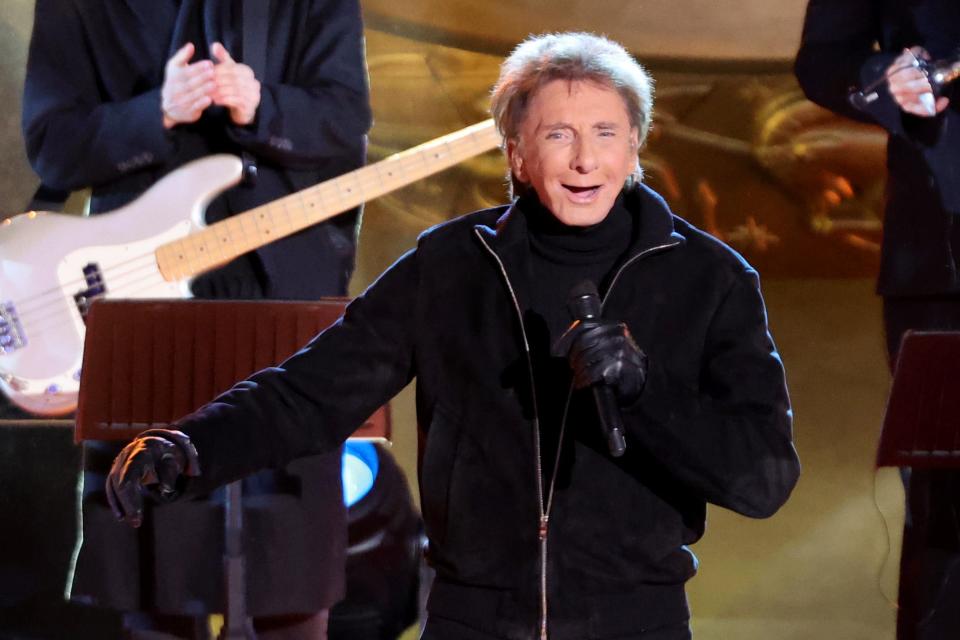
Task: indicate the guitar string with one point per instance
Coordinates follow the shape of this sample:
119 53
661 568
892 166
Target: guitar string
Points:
193 238
57 323
232 226
57 294
41 324
317 190
359 177
363 179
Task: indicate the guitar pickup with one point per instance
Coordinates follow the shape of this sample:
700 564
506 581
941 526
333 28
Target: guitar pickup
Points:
95 288
12 336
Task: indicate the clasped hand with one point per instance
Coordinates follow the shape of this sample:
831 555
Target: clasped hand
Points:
604 353
189 88
153 463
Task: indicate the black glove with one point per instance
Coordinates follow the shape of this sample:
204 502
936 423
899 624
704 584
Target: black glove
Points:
155 460
604 353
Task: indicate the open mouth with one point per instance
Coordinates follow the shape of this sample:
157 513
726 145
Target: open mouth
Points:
582 193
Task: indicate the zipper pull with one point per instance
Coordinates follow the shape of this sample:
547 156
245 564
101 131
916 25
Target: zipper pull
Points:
544 520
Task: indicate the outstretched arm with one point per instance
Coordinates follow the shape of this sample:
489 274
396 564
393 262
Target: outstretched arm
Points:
308 404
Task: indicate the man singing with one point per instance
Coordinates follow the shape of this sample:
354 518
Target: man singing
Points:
537 527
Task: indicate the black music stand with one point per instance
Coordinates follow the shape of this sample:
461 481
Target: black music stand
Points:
921 428
149 362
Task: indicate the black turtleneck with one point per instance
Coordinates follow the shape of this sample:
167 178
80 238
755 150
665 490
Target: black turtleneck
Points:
561 256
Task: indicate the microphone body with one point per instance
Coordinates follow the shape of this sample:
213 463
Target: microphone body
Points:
939 74
584 304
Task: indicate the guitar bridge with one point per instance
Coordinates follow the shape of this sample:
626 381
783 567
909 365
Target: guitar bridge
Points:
12 336
95 288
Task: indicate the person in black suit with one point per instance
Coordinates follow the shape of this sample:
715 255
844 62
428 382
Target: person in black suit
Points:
848 46
118 94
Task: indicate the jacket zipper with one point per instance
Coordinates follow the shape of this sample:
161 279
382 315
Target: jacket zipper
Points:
544 519
544 511
626 264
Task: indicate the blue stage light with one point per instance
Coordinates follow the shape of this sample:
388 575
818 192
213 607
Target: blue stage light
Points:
360 467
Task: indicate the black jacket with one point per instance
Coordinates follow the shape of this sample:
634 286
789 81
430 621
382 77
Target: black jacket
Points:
921 241
713 425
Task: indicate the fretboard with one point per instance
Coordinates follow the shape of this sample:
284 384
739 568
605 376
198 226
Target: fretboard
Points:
227 239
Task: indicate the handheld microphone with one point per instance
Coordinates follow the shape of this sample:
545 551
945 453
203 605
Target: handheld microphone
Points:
939 74
584 305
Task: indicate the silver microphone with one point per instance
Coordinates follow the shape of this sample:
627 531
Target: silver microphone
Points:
939 74
942 73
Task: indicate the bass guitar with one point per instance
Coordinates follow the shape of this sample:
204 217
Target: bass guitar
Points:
52 266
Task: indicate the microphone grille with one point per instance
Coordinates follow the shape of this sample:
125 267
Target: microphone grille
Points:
584 288
584 301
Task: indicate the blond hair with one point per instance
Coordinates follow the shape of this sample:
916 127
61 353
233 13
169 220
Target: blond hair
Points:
575 56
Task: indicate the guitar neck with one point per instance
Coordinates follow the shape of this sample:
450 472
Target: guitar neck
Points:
221 242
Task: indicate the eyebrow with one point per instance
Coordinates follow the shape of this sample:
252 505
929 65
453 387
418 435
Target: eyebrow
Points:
604 124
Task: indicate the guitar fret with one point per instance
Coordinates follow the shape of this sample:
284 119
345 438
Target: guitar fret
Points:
289 217
346 191
249 229
234 231
198 259
200 256
278 213
299 217
271 216
379 173
211 246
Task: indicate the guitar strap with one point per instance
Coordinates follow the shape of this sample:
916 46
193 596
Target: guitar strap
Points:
256 15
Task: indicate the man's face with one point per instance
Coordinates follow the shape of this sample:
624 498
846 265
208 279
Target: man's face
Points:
575 148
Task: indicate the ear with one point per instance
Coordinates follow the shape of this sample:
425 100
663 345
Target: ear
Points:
635 138
515 159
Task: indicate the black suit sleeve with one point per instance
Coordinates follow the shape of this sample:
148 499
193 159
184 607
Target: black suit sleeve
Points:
839 54
321 109
74 136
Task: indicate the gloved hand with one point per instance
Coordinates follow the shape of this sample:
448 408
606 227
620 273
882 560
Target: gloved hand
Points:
604 353
155 460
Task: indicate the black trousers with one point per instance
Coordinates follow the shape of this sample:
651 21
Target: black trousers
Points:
930 559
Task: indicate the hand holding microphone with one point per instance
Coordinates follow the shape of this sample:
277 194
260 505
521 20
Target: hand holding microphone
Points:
914 82
604 357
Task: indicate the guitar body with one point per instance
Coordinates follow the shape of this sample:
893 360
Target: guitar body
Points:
53 265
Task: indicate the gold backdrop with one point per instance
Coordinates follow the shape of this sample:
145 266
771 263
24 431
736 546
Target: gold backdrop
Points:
737 150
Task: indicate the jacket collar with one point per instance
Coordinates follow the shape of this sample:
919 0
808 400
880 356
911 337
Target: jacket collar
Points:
509 242
508 238
656 227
